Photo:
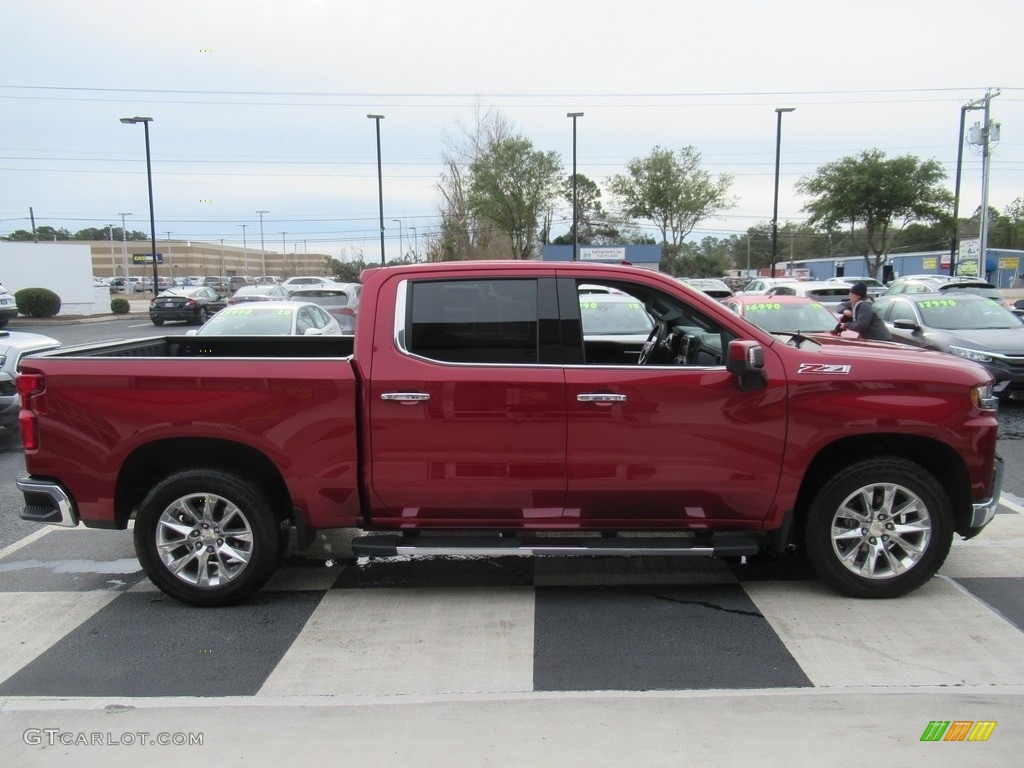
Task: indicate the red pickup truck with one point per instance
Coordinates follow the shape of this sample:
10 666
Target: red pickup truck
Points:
479 409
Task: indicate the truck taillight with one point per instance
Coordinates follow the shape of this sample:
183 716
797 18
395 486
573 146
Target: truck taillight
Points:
29 384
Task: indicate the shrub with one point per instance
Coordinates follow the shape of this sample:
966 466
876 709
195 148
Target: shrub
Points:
37 302
120 306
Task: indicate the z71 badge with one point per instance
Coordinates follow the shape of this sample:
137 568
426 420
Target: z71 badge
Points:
823 368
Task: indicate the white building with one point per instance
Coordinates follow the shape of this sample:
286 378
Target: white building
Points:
64 268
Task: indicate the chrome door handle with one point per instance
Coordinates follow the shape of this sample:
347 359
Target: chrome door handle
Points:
600 398
405 397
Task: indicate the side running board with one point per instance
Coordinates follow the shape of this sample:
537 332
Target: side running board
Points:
717 545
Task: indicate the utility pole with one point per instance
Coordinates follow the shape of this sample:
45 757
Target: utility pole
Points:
989 131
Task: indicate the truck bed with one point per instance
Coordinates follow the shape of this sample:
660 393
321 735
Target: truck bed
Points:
216 346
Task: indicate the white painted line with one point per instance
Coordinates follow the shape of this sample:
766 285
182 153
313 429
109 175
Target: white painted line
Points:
35 535
1012 505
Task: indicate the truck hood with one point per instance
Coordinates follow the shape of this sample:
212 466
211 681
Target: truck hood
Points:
822 353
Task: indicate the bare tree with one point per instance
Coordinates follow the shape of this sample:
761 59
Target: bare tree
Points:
462 234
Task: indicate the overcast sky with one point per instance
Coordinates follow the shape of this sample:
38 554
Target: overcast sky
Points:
262 105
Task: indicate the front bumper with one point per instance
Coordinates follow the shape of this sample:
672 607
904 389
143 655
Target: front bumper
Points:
46 502
983 511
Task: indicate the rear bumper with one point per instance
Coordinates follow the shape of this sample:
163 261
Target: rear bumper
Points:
174 314
46 502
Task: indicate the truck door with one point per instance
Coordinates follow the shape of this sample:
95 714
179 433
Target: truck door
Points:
673 443
466 421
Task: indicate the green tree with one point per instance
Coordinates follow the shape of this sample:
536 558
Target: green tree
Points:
348 271
588 206
103 233
708 258
460 234
42 234
511 185
1011 225
597 226
671 190
874 197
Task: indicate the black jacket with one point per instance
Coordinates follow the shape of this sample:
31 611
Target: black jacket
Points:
867 323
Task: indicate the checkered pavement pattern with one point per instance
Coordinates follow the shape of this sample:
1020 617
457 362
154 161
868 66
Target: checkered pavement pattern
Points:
78 618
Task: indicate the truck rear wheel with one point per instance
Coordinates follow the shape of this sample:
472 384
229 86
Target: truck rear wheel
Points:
879 528
207 537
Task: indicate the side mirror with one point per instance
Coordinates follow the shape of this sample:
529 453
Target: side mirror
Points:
907 325
745 359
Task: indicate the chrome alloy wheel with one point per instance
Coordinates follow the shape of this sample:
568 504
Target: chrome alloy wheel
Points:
881 531
204 540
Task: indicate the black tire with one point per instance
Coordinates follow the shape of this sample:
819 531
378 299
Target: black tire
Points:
202 315
216 528
879 528
158 321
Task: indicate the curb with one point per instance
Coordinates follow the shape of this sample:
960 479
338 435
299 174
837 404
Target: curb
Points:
72 320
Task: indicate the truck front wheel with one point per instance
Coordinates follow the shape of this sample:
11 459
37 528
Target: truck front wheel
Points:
207 537
879 528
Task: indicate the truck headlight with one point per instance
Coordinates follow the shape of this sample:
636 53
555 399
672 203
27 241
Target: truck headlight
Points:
972 354
984 397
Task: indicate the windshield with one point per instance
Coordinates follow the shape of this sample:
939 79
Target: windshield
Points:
951 314
249 321
988 291
789 318
608 314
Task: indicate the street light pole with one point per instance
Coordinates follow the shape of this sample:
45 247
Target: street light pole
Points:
245 250
263 252
170 261
149 177
575 199
401 242
380 186
113 269
124 246
775 206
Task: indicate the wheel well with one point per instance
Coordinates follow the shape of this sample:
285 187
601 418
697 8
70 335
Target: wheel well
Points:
940 460
154 461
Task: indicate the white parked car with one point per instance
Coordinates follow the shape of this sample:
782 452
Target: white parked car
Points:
271 318
14 346
875 287
293 283
830 294
8 307
761 285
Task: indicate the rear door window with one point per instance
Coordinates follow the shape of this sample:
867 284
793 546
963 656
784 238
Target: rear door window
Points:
474 321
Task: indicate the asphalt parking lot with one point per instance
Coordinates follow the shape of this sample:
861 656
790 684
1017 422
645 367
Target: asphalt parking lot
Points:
509 661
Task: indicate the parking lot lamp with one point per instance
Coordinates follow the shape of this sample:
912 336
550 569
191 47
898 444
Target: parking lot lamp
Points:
380 186
245 251
124 245
575 199
263 252
775 206
401 241
149 177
